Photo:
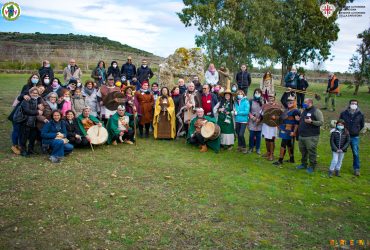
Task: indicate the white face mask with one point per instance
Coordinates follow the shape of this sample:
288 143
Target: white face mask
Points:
78 84
67 98
144 65
114 65
353 106
47 81
257 95
301 77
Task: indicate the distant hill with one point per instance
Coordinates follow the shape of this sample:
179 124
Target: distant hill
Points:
27 50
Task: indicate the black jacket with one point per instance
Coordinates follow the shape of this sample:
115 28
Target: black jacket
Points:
128 70
115 72
354 122
339 140
144 74
243 79
302 84
30 110
72 130
46 71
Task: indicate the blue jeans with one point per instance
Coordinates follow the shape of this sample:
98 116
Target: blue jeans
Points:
59 148
15 133
240 130
355 141
257 135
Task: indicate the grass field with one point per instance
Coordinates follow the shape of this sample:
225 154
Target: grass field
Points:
167 195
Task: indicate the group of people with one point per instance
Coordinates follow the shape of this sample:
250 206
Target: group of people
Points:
210 115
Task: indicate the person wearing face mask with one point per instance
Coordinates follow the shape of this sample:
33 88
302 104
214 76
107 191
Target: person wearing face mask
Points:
144 73
234 88
72 71
288 131
114 71
55 87
65 102
32 81
28 129
46 70
309 132
332 91
209 100
241 112
45 80
339 142
129 70
291 79
302 84
355 121
254 124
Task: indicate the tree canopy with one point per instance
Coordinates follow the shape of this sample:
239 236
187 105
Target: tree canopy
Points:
289 32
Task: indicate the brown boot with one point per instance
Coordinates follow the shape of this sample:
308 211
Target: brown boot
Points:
204 148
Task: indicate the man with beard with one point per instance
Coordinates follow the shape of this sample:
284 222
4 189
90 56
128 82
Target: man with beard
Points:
189 102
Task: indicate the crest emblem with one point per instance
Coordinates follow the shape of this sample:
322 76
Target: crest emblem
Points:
11 11
327 9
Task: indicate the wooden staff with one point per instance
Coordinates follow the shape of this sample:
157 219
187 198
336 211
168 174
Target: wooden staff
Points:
135 115
317 96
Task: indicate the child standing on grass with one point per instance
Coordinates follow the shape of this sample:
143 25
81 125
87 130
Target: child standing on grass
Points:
339 142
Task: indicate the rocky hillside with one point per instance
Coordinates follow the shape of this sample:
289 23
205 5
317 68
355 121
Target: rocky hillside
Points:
27 50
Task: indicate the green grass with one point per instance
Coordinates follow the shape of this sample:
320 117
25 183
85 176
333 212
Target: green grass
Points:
209 201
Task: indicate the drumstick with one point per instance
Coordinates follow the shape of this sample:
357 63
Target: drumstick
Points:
92 148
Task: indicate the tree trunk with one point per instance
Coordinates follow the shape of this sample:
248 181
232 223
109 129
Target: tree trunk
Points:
284 70
356 89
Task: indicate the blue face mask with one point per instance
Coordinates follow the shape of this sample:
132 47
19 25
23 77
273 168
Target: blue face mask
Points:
340 127
304 105
240 97
233 89
34 81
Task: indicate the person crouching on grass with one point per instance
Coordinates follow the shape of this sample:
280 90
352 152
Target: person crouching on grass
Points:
339 142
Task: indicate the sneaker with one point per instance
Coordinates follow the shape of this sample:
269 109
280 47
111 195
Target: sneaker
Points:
301 167
16 150
357 172
309 170
230 148
258 151
277 163
330 174
337 173
114 143
129 142
244 151
54 159
24 154
250 150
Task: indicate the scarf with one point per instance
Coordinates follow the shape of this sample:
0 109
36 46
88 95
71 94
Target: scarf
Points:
88 91
53 106
102 73
145 91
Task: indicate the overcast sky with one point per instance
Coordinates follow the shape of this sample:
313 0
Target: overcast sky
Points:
149 25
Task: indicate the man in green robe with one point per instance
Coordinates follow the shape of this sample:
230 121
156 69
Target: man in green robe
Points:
120 127
196 138
86 121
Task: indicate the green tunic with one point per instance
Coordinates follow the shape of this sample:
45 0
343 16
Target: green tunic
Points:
225 121
92 118
214 144
112 125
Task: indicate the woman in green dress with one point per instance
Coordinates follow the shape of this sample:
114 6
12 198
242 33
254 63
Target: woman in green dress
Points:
225 120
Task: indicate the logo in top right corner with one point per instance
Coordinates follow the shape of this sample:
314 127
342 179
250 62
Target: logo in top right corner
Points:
327 9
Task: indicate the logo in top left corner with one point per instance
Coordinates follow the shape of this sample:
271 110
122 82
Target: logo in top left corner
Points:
11 11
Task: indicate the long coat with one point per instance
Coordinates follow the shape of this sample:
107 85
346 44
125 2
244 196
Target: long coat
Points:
145 107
